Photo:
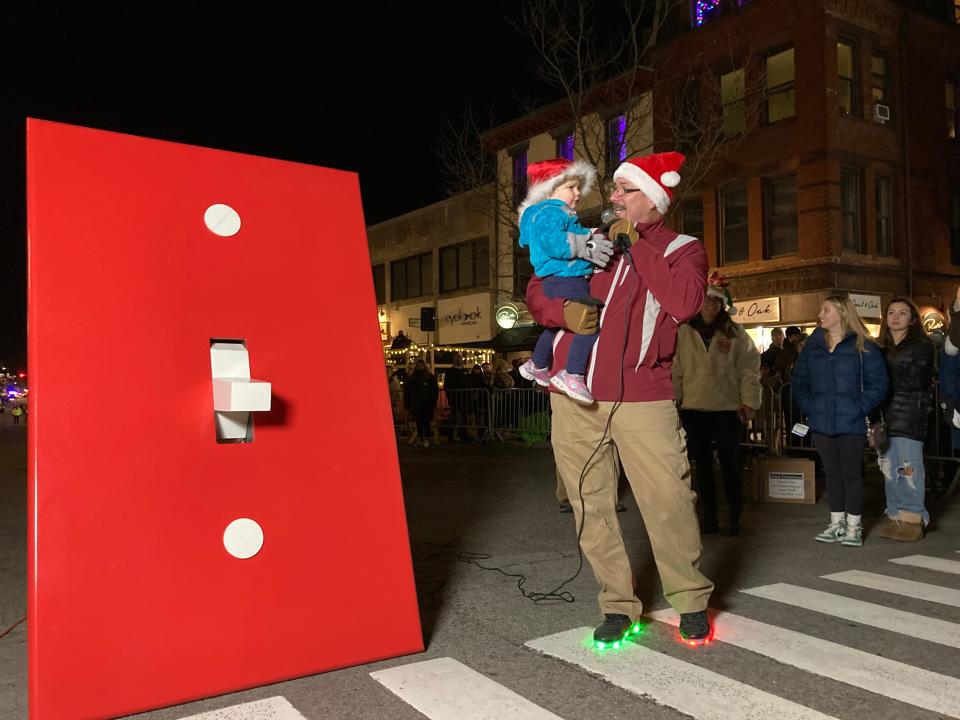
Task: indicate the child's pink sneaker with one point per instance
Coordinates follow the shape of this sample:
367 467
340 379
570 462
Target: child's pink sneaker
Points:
572 386
529 371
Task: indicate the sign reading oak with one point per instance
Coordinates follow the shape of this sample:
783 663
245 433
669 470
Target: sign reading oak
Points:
758 312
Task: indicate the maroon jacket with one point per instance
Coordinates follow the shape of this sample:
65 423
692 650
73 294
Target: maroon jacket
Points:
670 288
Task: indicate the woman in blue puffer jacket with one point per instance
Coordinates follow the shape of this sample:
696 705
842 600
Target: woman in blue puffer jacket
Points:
839 378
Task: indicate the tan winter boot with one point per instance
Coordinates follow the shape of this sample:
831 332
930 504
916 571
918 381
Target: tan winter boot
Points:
888 528
911 527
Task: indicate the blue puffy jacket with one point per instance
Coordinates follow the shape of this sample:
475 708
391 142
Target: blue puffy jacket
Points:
827 385
545 228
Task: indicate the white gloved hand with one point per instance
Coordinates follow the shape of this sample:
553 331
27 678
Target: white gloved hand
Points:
593 248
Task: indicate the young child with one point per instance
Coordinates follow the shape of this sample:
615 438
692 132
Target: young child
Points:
564 254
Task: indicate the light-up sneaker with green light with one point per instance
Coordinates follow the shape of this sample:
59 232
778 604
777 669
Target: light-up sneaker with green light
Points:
614 629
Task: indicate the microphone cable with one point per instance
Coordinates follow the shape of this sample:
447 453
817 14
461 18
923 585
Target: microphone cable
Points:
566 595
558 594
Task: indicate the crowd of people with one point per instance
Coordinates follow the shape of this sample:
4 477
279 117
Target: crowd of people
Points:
669 375
468 405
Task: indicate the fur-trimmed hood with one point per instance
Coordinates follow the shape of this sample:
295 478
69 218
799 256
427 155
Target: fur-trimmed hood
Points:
540 191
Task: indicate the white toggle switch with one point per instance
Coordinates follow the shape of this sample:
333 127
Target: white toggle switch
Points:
235 395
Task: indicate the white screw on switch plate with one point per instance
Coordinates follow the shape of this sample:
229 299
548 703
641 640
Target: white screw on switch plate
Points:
243 538
222 220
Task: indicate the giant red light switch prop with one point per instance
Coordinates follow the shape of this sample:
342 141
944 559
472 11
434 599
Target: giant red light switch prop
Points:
148 585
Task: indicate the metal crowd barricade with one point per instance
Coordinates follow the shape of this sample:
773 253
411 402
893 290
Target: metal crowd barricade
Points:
469 414
522 412
779 413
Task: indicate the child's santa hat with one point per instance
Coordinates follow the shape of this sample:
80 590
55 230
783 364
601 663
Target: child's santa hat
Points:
656 175
545 177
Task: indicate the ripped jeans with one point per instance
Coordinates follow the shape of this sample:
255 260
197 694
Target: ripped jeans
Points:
902 467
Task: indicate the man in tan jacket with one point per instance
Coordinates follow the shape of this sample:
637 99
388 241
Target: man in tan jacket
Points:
716 378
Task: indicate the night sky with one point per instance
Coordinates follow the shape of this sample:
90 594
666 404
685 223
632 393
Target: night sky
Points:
369 92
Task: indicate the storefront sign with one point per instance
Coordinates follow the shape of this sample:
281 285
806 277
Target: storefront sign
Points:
507 315
867 305
932 319
464 319
757 312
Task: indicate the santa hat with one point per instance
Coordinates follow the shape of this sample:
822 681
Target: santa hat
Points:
717 287
656 175
545 177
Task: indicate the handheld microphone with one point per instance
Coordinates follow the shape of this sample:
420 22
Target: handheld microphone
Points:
621 242
607 218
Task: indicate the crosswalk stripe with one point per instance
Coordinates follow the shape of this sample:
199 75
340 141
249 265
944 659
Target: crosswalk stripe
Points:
275 708
865 613
683 686
898 586
892 679
444 689
930 563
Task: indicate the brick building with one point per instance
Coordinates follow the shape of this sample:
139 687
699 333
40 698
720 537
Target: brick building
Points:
848 177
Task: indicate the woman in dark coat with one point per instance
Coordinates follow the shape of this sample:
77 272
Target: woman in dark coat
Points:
420 398
839 378
906 409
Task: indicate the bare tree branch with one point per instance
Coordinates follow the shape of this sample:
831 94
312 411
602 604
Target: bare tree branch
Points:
602 67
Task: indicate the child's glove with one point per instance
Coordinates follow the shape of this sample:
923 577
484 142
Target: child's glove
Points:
580 318
593 248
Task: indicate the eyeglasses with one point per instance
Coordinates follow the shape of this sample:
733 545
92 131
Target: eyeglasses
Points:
617 190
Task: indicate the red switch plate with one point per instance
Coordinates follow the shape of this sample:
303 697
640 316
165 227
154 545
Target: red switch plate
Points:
134 602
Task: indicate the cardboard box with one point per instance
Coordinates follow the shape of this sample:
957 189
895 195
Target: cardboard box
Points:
785 480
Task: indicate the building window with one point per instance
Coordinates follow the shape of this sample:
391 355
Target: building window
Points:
380 283
616 142
522 269
848 85
691 217
565 146
734 239
780 216
519 162
850 209
411 277
955 225
464 266
781 95
884 215
878 78
734 107
950 102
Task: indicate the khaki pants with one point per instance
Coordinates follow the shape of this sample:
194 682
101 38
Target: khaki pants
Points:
652 447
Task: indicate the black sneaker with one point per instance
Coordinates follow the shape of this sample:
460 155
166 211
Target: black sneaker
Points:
613 629
695 627
566 507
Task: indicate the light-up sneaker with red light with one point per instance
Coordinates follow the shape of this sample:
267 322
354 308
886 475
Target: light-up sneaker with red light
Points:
695 628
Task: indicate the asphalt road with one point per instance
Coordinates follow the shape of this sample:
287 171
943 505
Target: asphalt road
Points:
869 641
